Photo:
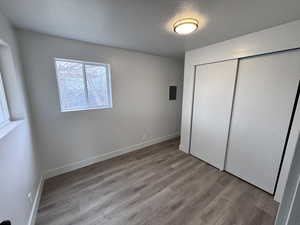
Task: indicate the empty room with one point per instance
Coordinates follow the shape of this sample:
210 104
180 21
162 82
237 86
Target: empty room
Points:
147 112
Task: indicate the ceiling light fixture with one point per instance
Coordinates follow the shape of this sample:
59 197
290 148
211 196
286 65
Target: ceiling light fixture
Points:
186 26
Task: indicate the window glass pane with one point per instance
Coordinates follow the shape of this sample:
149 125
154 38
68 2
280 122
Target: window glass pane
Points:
71 85
96 76
2 115
83 85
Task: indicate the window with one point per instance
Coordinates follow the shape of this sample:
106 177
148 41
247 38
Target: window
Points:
83 85
4 114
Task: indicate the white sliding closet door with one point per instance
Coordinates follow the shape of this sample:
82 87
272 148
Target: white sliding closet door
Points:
264 99
214 88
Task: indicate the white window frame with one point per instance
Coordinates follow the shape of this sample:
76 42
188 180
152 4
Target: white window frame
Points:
109 86
3 104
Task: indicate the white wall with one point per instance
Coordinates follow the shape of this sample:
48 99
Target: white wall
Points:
141 110
279 38
19 170
290 206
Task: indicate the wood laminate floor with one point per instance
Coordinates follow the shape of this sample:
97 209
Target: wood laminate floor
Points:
158 185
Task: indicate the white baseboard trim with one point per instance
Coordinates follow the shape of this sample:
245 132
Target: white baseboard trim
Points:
36 202
102 157
182 148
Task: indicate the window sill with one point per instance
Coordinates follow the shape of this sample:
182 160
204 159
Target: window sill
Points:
86 109
9 127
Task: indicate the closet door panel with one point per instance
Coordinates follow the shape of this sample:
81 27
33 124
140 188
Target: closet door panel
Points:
264 99
213 94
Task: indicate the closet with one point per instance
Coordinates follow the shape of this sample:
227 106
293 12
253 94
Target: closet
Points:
213 94
242 126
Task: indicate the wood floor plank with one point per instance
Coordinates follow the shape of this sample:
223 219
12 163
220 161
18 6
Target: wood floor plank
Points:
157 185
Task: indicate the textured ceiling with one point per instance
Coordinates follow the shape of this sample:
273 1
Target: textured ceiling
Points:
146 25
